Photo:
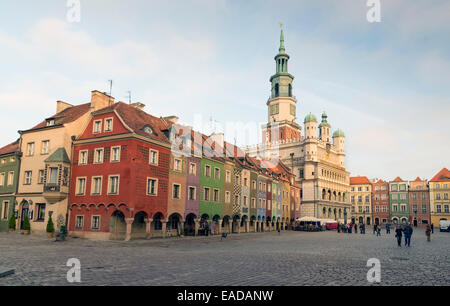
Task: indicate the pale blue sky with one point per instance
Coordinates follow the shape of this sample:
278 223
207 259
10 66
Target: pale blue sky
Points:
387 84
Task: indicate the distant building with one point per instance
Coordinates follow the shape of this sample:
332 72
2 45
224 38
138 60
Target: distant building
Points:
419 202
9 175
380 202
399 207
439 196
361 199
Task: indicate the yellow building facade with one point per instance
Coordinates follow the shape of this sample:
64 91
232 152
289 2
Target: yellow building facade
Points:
440 197
361 199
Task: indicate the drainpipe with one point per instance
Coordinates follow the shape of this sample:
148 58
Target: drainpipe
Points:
69 185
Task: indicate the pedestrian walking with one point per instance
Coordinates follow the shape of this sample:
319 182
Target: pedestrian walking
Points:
378 230
207 229
388 228
356 229
374 229
398 235
432 228
428 233
408 233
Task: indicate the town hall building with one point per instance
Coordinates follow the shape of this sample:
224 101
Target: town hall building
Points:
317 158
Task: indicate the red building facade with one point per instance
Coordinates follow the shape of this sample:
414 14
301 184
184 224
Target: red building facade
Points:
380 202
120 175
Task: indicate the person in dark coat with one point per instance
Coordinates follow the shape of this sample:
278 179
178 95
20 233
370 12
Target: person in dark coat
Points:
398 235
432 228
428 232
356 229
388 228
408 230
374 229
207 229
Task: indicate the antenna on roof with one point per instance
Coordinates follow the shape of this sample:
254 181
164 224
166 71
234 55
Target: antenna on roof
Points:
213 124
129 96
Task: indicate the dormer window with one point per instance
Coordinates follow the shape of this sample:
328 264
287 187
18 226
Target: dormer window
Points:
50 122
148 129
97 126
108 124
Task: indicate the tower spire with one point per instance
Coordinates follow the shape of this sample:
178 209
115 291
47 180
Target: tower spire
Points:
282 50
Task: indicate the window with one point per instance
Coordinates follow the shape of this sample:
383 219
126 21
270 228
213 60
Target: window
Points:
268 204
5 210
216 173
97 126
207 171
384 208
176 191
359 188
41 177
394 188
367 209
377 208
192 169
95 222
274 109
353 199
115 154
98 156
81 185
236 199
152 186
403 207
438 196
191 193
360 210
177 164
446 209
227 197
30 149
83 157
254 184
445 196
53 176
424 208
359 199
108 124
395 207
445 186
414 208
79 222
40 212
45 147
424 196
367 188
414 196
113 184
438 208
236 179
96 185
154 157
437 186
245 201
28 175
367 199
402 187
228 176
206 194
216 195
2 179
245 181
353 188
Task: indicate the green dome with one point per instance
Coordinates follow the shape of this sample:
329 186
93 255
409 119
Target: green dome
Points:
324 120
339 133
310 117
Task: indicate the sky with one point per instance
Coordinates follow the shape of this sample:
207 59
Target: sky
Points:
385 84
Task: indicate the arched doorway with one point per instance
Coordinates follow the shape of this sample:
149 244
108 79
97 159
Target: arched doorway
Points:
174 225
189 225
395 220
377 221
404 220
368 220
226 225
415 222
139 226
235 224
252 224
202 226
215 225
157 223
244 223
117 225
360 220
24 212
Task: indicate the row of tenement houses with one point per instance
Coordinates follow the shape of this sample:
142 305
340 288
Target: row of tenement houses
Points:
115 172
419 202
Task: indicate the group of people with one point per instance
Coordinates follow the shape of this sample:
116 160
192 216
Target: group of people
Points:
400 231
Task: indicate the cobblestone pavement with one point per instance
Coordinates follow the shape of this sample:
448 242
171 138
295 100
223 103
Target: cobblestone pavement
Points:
292 258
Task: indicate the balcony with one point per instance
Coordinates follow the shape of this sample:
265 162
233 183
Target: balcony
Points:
53 193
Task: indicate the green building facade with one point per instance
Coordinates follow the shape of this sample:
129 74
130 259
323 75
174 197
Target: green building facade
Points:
399 201
9 176
211 194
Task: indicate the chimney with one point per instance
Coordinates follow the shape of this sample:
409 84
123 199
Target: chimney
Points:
100 100
218 138
138 105
61 105
173 119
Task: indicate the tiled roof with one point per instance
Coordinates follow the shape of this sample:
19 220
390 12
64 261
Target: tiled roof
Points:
398 179
443 175
359 180
136 119
417 179
380 181
68 115
11 148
